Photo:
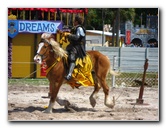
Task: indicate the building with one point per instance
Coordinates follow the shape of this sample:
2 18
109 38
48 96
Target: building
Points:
94 37
23 36
144 34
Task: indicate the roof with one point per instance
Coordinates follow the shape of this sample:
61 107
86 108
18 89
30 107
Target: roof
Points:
101 32
143 31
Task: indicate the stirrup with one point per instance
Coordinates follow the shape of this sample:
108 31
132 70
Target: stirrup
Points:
68 77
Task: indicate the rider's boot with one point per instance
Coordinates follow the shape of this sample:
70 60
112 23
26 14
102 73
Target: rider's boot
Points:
69 75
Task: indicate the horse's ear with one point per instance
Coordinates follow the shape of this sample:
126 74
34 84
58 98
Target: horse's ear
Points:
47 36
52 36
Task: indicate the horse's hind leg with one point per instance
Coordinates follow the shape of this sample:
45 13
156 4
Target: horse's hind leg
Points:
101 73
108 102
97 87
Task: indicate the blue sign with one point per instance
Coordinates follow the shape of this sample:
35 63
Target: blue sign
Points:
23 26
39 26
12 28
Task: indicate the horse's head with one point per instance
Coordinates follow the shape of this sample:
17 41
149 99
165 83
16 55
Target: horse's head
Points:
48 46
43 50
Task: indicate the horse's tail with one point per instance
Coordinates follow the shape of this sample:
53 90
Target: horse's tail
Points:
112 72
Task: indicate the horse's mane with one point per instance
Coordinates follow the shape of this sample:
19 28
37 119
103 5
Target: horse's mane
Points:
55 45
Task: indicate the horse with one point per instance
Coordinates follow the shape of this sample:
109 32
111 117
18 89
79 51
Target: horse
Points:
50 51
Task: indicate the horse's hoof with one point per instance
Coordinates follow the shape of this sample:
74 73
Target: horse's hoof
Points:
69 109
47 111
110 103
93 102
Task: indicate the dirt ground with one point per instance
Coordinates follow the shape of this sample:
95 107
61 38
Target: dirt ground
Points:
26 103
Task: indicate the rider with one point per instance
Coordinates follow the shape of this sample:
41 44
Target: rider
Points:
76 48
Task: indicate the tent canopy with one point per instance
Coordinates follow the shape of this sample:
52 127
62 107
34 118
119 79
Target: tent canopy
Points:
105 33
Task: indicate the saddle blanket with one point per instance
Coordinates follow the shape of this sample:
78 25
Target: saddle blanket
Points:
82 73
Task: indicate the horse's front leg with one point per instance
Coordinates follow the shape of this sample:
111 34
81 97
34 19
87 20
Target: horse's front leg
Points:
54 91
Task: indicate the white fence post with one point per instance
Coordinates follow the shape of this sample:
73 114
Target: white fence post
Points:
113 77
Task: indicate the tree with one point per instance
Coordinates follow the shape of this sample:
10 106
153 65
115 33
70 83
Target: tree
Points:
109 15
94 17
122 15
136 15
141 13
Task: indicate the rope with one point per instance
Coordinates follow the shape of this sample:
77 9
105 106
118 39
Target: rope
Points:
29 74
21 62
120 95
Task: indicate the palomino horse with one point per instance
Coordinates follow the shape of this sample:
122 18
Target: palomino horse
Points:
50 51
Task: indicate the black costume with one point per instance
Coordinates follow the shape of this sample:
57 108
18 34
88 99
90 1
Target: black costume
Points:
76 48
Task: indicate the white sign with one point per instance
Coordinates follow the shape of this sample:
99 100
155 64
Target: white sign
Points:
39 26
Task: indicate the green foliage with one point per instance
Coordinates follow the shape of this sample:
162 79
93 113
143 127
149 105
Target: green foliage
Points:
127 14
142 13
95 17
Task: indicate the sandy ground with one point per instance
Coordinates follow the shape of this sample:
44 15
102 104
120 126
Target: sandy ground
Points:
26 103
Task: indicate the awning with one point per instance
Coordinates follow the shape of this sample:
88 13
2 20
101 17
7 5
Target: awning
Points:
105 33
63 10
143 31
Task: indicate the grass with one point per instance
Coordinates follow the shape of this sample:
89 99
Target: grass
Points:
128 78
29 81
151 78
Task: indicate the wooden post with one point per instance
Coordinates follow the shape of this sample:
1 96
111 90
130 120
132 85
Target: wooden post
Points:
23 14
55 16
42 13
113 77
73 18
49 15
10 11
61 16
140 100
156 77
29 14
17 14
67 18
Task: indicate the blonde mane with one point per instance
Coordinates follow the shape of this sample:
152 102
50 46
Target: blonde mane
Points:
55 45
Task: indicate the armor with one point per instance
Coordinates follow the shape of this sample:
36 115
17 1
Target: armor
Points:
76 48
77 40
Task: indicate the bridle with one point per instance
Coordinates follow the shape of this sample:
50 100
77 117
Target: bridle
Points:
43 55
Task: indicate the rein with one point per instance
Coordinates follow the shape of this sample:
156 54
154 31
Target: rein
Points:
42 56
55 63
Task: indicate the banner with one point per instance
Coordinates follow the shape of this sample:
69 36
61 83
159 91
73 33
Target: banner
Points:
43 69
38 26
23 26
12 28
128 37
